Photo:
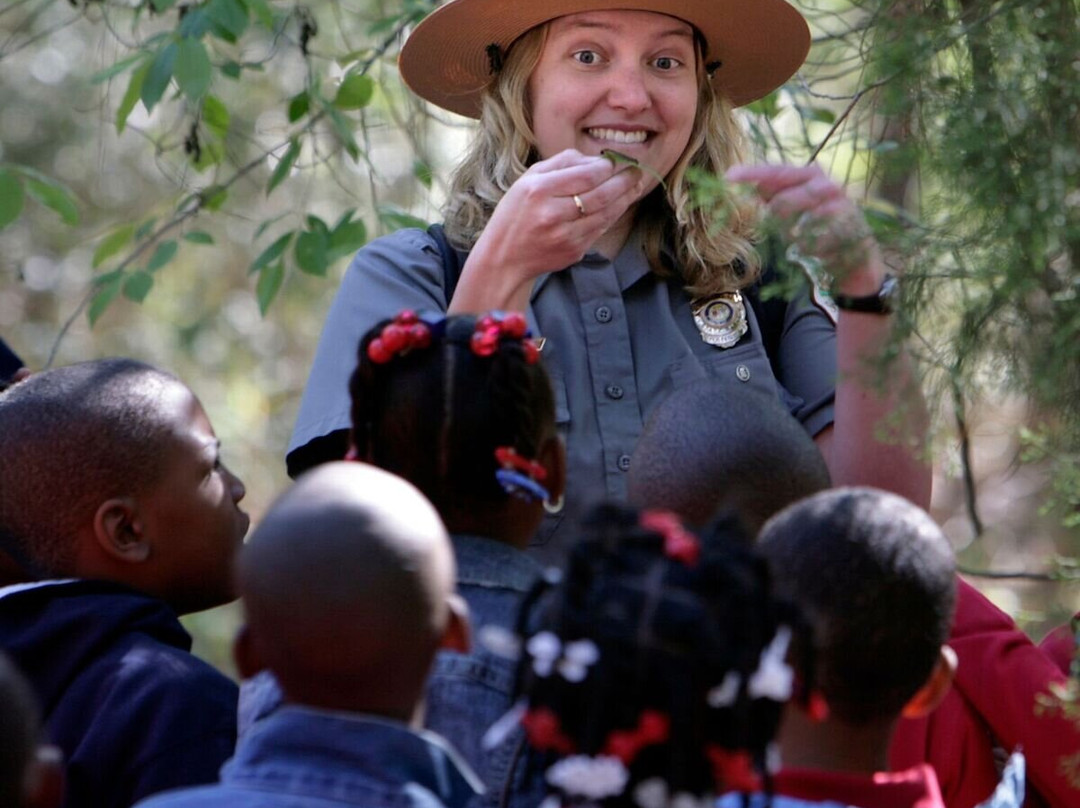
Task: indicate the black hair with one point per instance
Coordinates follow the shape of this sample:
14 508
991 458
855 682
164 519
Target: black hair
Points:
70 438
680 633
20 727
712 445
435 415
875 577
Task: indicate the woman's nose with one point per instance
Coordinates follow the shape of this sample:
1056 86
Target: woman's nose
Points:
629 89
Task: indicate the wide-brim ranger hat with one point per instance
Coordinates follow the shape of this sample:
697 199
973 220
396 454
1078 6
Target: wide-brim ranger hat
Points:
752 46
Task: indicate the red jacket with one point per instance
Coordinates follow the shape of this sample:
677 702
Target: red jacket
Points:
1002 686
914 788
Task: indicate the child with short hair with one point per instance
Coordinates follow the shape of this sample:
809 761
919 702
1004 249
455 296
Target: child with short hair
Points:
710 446
461 407
348 592
115 504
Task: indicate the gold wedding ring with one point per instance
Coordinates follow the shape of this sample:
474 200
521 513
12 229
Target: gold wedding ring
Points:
580 205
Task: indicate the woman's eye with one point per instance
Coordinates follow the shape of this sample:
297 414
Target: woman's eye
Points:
667 63
586 57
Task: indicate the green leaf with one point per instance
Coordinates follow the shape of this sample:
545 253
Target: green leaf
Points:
165 252
138 286
317 225
769 106
618 157
131 96
422 171
192 69
310 252
54 195
194 25
162 5
144 229
271 253
262 228
198 237
817 114
116 69
354 92
11 198
298 106
211 154
269 283
347 238
216 115
396 218
109 286
158 77
343 130
112 244
215 197
284 166
231 15
231 69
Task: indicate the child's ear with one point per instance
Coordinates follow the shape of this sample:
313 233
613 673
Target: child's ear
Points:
245 655
118 529
936 687
458 633
552 457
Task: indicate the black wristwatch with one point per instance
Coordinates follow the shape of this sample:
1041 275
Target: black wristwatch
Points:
883 301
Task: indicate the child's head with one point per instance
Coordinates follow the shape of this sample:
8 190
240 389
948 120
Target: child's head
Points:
30 774
348 591
711 445
434 399
659 668
111 470
875 578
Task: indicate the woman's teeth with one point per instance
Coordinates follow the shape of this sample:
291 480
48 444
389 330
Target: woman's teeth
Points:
618 136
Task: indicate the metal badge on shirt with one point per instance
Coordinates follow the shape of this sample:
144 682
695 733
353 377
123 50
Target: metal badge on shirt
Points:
721 318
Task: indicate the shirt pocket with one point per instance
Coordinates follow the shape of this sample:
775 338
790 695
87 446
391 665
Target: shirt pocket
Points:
742 365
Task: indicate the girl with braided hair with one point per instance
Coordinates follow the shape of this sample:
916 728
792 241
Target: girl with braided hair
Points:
658 675
461 407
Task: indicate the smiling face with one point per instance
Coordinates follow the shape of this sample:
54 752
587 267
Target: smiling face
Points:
191 514
622 80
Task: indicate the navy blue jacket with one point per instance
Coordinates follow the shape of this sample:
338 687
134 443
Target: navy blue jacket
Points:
132 709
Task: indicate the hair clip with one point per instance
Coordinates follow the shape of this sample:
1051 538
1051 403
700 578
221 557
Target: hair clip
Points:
679 543
595 778
545 732
653 727
519 476
733 770
491 328
404 334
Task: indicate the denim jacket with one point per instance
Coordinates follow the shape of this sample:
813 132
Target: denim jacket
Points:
300 757
467 693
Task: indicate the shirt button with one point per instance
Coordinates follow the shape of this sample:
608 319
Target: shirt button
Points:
603 314
743 373
624 462
614 391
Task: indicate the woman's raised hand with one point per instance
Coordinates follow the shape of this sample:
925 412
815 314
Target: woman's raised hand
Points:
547 221
817 215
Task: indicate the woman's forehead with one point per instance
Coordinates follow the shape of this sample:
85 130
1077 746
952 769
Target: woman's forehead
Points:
619 20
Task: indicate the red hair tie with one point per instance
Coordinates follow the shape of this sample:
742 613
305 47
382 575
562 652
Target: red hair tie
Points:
491 328
679 543
733 770
404 334
653 727
545 732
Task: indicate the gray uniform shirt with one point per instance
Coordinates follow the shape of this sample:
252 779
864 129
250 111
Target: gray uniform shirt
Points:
619 339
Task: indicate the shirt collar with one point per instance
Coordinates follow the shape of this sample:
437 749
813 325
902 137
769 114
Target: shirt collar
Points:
486 562
631 265
916 787
356 744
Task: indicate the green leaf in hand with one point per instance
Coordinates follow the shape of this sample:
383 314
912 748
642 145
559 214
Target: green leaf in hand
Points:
618 157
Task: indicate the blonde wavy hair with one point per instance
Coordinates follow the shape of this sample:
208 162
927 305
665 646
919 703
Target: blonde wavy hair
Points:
708 243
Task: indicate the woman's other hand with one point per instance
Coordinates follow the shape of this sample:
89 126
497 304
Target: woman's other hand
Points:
817 216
